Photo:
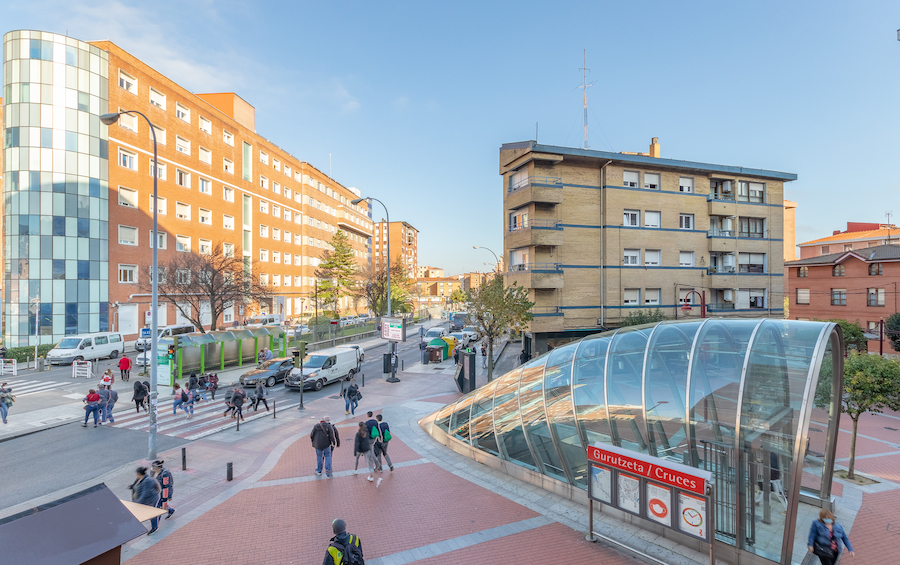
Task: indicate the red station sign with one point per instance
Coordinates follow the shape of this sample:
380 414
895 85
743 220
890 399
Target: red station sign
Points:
653 468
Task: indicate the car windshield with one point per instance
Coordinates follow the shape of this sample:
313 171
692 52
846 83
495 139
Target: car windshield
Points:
433 333
457 335
69 343
315 361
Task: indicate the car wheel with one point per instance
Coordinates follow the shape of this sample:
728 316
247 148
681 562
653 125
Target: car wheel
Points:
350 375
114 354
319 384
79 358
270 382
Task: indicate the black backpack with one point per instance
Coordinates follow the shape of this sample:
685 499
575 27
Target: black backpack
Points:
184 396
351 554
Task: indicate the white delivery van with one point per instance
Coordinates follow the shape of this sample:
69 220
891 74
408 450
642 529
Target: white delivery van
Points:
435 332
264 320
88 347
323 367
143 343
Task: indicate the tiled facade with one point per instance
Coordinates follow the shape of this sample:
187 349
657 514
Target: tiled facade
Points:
404 246
222 183
595 235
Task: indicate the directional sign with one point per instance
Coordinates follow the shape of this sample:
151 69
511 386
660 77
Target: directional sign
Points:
145 333
393 329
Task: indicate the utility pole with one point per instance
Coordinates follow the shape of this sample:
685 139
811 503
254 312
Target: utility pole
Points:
585 86
888 215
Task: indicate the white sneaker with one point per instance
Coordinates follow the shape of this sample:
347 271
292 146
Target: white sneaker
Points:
370 478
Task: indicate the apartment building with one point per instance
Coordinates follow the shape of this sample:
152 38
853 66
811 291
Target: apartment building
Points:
471 281
594 235
404 245
858 235
436 291
424 272
78 194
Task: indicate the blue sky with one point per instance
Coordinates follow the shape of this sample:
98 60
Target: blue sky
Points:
413 100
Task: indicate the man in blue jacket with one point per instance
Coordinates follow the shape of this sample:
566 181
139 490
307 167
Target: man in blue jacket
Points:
166 485
146 491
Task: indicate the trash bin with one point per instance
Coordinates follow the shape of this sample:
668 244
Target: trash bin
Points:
39 364
435 354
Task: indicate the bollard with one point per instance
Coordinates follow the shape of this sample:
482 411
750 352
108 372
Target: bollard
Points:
364 380
229 472
302 386
238 423
184 459
273 409
402 362
342 388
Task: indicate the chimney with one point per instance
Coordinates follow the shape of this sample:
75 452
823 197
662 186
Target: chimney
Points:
835 232
654 147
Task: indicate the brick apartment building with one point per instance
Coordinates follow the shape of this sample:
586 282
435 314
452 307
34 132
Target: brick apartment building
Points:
436 291
856 285
858 235
472 281
423 272
404 245
77 195
594 235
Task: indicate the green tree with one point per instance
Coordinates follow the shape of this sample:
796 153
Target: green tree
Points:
638 317
892 330
871 384
496 308
335 275
458 296
853 336
371 286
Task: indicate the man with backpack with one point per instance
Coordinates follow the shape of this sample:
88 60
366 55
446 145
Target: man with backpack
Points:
166 485
324 439
382 435
344 548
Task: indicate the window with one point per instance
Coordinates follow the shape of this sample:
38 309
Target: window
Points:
686 258
876 297
182 145
298 280
802 296
205 217
686 184
631 218
162 205
751 227
874 327
825 249
287 215
227 222
875 269
848 247
205 186
228 166
127 82
182 178
276 210
651 181
631 296
182 243
228 249
631 179
263 157
751 262
162 274
182 211
205 125
838 296
182 113
686 221
158 99
205 155
651 296
276 164
228 194
183 276
837 271
802 272
287 171
263 206
247 162
264 255
128 235
263 182
128 197
128 274
160 135
757 298
264 279
651 219
297 239
287 236
276 188
160 171
751 192
632 257
263 230
276 257
228 137
161 236
128 121
128 160
651 257
205 247
276 233
287 259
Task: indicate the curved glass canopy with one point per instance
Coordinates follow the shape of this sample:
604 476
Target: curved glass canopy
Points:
731 396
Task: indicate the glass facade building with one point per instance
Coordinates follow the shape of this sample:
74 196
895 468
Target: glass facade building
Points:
55 187
735 397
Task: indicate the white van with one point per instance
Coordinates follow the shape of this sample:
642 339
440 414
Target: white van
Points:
264 320
166 331
89 347
323 367
436 332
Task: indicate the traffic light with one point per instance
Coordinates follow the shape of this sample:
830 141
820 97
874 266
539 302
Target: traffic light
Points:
171 352
299 353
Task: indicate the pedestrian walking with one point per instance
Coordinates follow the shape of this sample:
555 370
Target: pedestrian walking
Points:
140 392
147 396
146 490
371 423
91 406
826 537
183 401
351 396
324 439
483 355
107 378
166 486
523 357
261 394
111 403
455 356
194 387
362 445
237 404
125 368
343 548
6 401
381 443
103 393
212 385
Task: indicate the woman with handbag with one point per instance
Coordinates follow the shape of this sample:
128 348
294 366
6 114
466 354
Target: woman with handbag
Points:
362 445
825 538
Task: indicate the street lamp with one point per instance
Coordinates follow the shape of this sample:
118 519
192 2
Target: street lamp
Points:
393 378
492 253
110 119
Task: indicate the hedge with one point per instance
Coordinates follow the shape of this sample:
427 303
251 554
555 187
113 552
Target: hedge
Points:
20 353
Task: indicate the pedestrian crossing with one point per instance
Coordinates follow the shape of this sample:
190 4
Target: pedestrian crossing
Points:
24 387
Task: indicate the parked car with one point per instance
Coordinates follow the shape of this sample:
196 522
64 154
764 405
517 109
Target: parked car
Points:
435 333
472 333
87 347
296 331
166 331
360 352
269 372
323 367
460 337
264 320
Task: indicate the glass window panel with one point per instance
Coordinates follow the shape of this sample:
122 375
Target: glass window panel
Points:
625 368
482 420
531 401
560 412
511 437
442 419
459 421
822 417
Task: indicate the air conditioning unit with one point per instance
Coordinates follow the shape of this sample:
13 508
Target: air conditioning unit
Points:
728 295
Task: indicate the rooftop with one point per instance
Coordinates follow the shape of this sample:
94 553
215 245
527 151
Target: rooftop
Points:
881 232
890 252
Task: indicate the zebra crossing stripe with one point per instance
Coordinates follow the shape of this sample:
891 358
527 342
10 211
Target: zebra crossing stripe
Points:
25 388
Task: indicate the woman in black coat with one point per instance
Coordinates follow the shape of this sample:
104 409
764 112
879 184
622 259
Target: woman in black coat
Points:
140 392
362 445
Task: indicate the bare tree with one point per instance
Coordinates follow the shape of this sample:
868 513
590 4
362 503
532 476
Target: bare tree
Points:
207 283
371 287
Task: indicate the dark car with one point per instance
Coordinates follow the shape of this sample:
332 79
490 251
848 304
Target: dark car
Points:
269 372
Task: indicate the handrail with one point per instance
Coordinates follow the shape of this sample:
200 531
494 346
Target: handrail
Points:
533 223
535 180
721 270
721 233
545 310
554 267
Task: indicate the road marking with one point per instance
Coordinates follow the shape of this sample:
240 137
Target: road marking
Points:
25 388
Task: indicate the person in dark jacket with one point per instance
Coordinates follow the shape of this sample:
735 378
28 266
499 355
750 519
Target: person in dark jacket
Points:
381 443
324 439
260 396
213 386
147 397
92 406
166 485
146 490
351 397
103 393
362 445
370 423
825 538
341 543
194 387
6 400
140 392
237 402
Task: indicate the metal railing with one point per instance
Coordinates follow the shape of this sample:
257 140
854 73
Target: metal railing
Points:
721 233
728 197
545 310
535 267
716 306
721 270
534 223
750 234
535 181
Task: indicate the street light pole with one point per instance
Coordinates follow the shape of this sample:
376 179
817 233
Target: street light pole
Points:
492 253
110 119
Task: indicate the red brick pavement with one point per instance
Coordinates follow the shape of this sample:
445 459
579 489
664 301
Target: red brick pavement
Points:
414 506
557 544
886 467
444 398
876 530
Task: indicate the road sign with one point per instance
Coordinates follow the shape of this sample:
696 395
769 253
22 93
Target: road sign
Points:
145 333
393 329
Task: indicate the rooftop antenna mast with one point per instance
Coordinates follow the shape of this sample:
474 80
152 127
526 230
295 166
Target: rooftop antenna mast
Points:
585 86
888 215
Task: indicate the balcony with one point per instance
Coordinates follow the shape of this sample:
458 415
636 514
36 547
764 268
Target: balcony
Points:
534 232
722 204
545 311
535 275
754 235
347 224
720 306
542 190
